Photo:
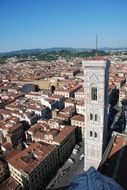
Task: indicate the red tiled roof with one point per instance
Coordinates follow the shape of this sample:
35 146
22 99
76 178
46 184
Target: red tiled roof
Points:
9 184
24 159
115 163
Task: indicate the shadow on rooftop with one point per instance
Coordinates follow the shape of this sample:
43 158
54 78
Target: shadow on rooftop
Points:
114 162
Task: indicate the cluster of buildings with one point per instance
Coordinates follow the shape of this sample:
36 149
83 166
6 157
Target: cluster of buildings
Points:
36 131
40 127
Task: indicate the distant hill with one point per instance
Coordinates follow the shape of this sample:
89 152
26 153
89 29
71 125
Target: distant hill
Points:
37 50
113 49
23 51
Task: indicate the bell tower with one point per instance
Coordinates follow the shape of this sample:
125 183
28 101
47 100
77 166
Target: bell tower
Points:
96 78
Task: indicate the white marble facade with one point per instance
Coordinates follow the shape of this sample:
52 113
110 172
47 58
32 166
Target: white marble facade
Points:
96 76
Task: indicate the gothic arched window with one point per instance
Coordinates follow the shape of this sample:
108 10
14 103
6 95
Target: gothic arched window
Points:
96 117
95 135
91 116
91 133
94 93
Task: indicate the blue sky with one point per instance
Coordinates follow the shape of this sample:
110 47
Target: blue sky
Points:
26 24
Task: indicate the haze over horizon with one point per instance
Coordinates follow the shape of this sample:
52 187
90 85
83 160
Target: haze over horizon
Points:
29 24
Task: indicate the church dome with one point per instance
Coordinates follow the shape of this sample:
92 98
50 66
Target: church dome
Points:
93 180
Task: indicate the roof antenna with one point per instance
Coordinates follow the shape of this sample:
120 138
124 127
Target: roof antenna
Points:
96 45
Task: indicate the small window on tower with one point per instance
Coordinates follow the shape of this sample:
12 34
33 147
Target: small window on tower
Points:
91 116
91 133
96 117
94 93
95 135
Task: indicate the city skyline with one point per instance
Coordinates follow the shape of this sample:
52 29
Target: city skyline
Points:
46 24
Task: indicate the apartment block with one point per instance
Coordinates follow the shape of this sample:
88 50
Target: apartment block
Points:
34 166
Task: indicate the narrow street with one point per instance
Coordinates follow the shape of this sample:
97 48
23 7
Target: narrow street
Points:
68 171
